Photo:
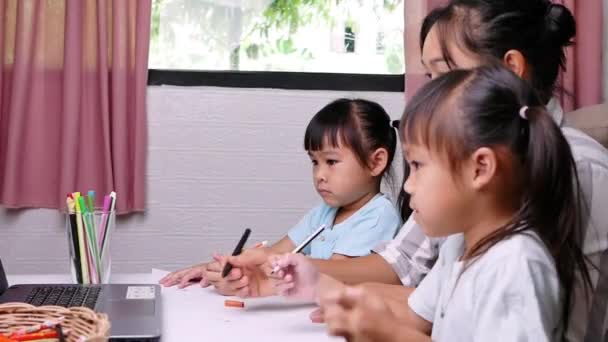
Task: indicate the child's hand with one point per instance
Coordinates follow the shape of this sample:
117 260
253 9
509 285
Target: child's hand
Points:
317 316
186 277
359 315
246 279
298 277
225 286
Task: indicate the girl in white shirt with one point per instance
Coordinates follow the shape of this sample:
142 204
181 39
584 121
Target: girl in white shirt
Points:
487 161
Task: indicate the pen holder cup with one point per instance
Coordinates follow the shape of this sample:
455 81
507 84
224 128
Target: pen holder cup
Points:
89 242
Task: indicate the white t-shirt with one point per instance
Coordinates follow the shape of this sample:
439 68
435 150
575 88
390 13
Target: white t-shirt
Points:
510 293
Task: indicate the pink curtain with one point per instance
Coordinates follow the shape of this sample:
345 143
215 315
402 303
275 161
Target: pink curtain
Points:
72 100
583 78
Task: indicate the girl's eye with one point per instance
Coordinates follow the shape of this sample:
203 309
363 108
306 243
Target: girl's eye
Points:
314 162
415 165
331 162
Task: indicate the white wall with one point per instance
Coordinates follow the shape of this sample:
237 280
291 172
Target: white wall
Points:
220 160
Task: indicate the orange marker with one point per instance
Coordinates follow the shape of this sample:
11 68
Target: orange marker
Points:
47 333
234 303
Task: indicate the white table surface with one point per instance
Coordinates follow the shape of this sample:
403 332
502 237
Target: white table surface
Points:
196 314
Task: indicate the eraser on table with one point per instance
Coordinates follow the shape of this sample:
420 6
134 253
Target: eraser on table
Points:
234 303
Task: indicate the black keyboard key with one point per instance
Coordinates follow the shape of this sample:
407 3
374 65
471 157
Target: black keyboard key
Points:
31 295
53 297
66 296
41 296
91 299
79 296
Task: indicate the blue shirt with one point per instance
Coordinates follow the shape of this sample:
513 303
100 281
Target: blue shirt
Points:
376 221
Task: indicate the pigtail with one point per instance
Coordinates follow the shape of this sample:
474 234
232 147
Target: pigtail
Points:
553 201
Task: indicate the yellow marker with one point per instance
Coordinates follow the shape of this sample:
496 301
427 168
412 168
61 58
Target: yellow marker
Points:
81 243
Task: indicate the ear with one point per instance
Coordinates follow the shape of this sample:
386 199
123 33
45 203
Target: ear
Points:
515 60
378 161
482 167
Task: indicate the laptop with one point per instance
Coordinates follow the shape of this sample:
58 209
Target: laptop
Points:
134 309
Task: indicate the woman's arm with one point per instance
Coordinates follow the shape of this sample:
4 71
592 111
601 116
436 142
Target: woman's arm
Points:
369 268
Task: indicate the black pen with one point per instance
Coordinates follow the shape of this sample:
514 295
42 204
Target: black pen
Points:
237 250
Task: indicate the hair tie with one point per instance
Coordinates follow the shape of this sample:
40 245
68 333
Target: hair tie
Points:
523 112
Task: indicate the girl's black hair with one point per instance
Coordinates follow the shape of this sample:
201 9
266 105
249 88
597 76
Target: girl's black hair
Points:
361 125
464 110
539 29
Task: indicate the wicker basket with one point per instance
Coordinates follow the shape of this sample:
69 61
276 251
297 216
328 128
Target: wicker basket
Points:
78 321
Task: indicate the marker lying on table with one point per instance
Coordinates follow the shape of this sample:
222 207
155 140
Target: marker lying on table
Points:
234 303
237 250
302 245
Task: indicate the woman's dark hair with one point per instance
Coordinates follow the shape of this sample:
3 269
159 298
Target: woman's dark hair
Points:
361 125
539 29
464 110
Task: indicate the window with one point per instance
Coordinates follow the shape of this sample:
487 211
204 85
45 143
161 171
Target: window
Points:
314 36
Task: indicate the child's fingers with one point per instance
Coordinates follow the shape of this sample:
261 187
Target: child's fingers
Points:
350 297
287 260
183 285
279 264
273 260
266 268
171 278
219 259
204 282
337 320
285 286
167 281
186 279
194 275
273 271
317 316
214 267
330 298
232 288
215 276
237 284
243 292
278 275
235 274
284 289
280 282
254 258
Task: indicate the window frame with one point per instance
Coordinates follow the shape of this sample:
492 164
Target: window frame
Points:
278 80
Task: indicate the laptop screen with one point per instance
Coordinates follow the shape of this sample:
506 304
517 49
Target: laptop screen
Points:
3 282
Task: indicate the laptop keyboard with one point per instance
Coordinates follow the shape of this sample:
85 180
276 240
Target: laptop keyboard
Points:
66 296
